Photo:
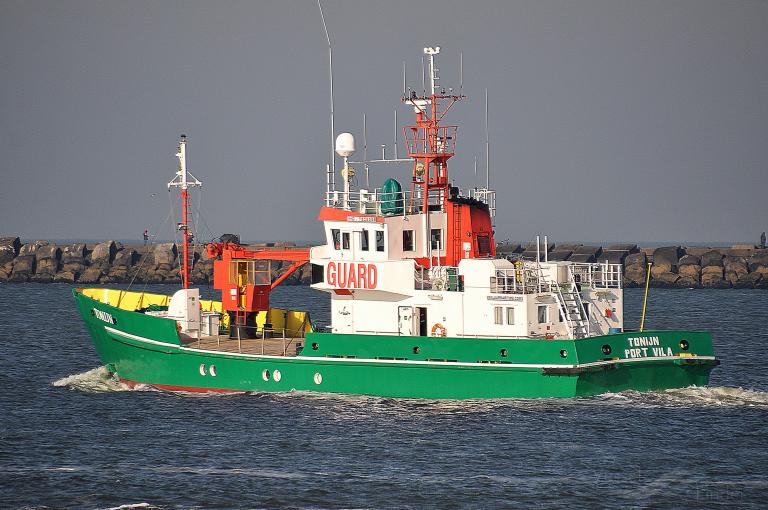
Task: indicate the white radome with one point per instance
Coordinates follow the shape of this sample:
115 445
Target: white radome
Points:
345 145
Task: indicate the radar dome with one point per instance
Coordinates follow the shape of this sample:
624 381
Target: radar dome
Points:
345 145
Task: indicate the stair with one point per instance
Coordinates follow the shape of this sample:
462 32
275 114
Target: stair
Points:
572 308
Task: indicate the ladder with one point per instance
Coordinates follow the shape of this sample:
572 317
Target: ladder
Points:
458 239
572 308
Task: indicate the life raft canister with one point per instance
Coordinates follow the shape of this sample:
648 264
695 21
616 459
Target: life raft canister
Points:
438 330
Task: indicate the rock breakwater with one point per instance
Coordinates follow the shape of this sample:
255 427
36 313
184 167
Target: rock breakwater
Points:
111 262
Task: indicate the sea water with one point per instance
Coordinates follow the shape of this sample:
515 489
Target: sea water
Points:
72 437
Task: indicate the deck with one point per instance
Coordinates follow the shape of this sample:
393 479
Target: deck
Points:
260 346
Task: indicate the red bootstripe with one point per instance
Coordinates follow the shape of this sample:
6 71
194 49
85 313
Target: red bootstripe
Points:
170 387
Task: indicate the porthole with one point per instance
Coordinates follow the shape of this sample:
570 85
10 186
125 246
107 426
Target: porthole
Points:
212 370
202 369
277 376
606 349
315 346
504 353
416 350
318 378
684 345
563 353
265 374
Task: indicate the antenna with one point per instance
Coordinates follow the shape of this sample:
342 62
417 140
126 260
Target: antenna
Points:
330 79
487 147
404 78
423 79
396 153
432 69
365 152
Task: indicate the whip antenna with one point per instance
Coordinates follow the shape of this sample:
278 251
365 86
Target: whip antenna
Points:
330 79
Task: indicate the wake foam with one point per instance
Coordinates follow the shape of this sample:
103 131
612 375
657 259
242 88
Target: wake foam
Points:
693 396
97 380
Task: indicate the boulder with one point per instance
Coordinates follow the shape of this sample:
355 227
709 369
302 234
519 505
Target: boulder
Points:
697 251
712 270
567 246
165 254
711 258
667 256
559 255
73 258
690 271
125 258
48 257
116 274
31 248
687 281
506 248
5 271
90 275
687 260
628 247
73 253
740 250
659 270
23 267
637 260
734 264
748 280
9 249
103 253
613 256
635 276
45 277
665 279
65 277
582 258
594 251
758 260
712 276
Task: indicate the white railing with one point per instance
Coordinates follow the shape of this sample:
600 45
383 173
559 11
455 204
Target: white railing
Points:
523 279
410 202
597 276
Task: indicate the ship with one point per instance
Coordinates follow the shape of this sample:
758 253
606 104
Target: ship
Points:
421 305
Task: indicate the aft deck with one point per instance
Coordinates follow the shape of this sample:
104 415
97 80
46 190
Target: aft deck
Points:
280 346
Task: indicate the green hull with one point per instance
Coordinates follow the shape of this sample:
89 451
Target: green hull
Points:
146 349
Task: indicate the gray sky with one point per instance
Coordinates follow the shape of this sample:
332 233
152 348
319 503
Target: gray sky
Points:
610 120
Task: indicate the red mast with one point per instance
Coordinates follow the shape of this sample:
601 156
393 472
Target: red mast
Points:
184 180
469 230
429 144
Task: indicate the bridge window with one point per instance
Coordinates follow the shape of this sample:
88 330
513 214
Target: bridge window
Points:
345 240
407 240
364 240
498 315
437 239
379 240
336 238
510 316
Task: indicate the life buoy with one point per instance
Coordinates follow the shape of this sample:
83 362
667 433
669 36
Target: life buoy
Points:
438 330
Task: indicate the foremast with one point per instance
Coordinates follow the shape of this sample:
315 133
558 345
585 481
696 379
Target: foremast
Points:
184 180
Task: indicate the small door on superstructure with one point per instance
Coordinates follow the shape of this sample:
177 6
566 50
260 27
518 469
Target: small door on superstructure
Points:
405 320
421 320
